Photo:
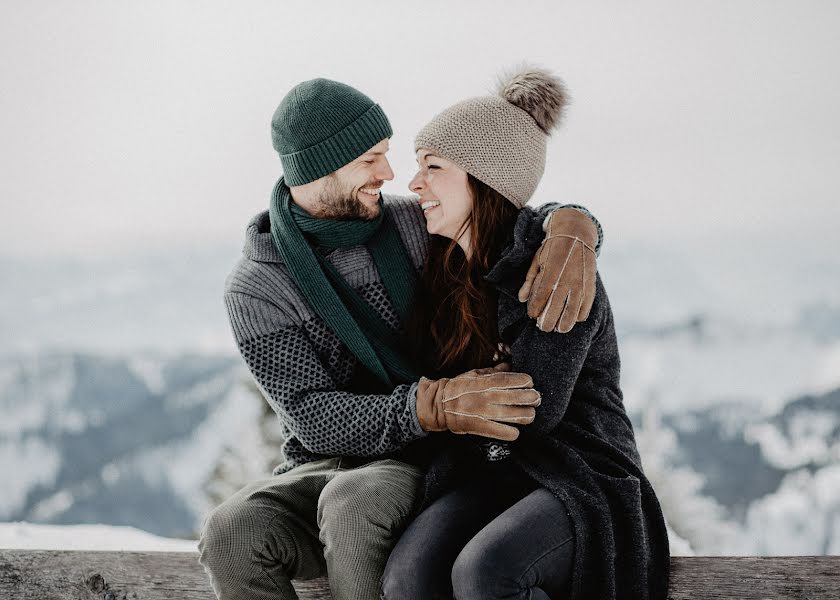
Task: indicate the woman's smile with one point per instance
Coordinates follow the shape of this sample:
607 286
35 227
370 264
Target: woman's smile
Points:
429 205
438 177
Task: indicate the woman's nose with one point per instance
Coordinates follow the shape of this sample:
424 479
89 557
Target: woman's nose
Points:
416 184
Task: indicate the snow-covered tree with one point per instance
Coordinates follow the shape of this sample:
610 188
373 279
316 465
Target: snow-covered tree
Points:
697 520
254 455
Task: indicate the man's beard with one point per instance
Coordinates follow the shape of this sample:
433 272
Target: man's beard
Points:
339 204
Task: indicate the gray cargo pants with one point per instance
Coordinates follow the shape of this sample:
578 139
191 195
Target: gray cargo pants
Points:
321 518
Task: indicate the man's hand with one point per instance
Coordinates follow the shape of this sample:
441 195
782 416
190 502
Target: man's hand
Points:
480 402
560 285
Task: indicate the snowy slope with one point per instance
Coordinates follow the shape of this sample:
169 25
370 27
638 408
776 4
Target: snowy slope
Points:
90 439
734 482
123 399
30 536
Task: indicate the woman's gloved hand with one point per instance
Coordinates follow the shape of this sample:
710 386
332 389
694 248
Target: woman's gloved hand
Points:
560 285
480 402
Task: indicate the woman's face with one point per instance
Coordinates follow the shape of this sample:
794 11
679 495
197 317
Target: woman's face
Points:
444 196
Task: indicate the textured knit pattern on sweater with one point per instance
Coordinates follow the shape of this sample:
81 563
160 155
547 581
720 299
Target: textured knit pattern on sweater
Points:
301 367
307 375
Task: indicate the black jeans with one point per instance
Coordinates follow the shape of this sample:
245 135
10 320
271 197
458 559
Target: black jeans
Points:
484 541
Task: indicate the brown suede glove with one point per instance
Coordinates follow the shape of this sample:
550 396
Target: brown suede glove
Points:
560 285
478 402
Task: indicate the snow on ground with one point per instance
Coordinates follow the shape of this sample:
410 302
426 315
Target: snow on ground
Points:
29 536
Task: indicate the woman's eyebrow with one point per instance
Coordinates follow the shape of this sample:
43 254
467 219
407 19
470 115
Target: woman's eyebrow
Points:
429 155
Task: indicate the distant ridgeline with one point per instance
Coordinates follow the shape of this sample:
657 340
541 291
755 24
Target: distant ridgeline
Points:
155 442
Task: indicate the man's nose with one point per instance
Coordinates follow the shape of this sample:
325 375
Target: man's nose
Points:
385 173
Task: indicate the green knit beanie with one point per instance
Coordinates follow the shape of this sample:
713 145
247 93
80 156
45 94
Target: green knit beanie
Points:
321 125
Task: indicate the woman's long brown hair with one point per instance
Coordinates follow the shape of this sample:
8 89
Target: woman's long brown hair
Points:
454 326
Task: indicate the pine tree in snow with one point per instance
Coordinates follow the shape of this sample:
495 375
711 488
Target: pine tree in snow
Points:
802 517
253 457
698 520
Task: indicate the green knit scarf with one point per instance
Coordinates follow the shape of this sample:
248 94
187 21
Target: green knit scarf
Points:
345 312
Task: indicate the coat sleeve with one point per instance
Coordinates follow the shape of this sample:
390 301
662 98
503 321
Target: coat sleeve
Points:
554 360
286 366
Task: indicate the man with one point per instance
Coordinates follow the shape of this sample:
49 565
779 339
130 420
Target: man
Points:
316 305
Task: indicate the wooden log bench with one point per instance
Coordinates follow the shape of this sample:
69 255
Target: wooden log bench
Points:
82 575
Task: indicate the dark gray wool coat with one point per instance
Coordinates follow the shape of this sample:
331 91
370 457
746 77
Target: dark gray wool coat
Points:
581 446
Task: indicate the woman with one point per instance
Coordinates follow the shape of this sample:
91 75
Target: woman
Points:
565 510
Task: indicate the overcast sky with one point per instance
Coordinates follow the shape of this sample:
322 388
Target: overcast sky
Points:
128 125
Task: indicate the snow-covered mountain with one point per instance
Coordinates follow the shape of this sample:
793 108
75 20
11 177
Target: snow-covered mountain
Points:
155 442
169 300
90 439
124 401
734 482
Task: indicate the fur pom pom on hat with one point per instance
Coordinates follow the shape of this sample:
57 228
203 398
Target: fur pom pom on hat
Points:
537 92
501 139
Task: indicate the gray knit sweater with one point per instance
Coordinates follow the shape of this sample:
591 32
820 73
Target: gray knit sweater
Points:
305 372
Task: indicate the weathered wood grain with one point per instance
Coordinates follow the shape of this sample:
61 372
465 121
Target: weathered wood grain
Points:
751 577
77 575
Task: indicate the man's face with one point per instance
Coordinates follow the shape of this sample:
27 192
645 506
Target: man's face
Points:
352 192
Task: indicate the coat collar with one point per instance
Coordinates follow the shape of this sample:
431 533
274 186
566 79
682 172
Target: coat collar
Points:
259 245
508 273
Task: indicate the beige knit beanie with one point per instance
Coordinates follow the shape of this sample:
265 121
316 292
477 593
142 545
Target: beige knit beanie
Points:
501 139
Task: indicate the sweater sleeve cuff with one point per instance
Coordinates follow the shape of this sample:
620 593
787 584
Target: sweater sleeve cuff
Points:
415 422
588 214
